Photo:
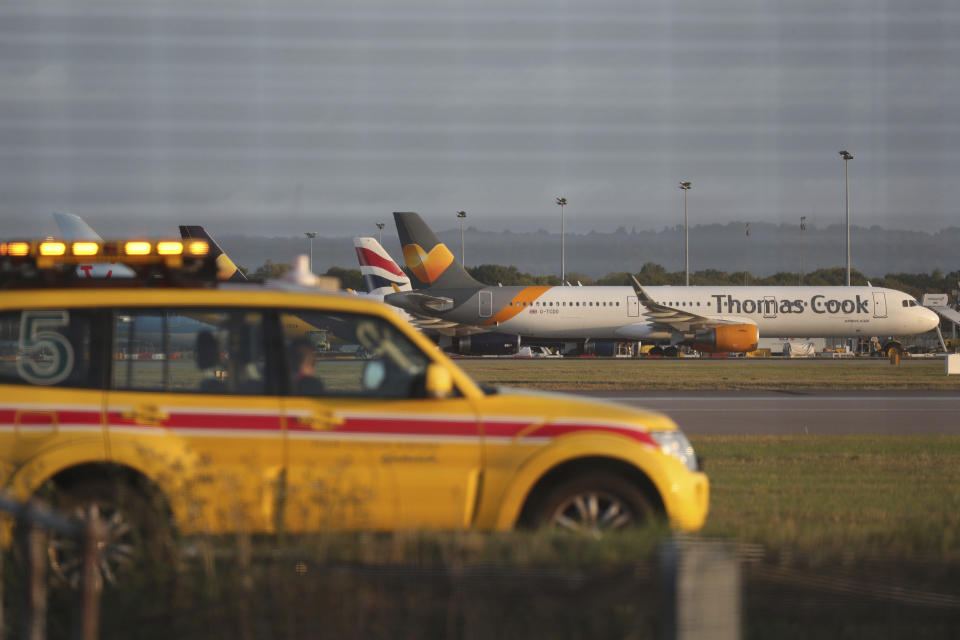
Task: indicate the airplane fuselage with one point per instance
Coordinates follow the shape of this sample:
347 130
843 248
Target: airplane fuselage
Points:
616 313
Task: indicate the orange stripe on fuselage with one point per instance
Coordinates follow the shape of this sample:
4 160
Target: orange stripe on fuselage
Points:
527 295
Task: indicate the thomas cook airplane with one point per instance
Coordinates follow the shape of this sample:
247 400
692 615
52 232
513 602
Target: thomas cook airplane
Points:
710 319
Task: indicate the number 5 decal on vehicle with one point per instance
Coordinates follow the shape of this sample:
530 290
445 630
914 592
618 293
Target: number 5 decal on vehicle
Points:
45 357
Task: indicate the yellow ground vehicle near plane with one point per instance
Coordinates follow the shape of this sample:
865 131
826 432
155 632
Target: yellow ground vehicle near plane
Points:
198 397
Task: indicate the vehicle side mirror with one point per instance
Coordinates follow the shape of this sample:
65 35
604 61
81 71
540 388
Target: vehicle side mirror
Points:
439 383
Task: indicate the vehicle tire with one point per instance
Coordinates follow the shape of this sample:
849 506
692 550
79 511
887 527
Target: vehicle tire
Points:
889 348
656 351
671 352
136 531
592 504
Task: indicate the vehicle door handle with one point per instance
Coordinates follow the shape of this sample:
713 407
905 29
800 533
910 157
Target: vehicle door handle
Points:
146 415
320 421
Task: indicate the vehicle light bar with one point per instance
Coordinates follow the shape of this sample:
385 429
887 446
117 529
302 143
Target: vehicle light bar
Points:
198 247
189 258
137 248
51 248
169 248
16 249
85 248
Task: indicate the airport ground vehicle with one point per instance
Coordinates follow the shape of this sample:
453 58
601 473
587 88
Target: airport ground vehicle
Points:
194 396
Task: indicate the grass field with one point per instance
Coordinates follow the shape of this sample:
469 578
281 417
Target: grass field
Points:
742 373
836 495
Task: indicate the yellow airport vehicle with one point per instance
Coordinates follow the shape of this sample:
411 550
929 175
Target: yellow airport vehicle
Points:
209 400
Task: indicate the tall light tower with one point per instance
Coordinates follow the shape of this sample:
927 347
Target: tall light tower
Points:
380 226
461 215
311 235
685 186
803 227
563 267
745 261
847 157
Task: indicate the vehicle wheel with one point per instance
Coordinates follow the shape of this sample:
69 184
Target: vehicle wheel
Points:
671 352
656 351
891 347
136 531
594 503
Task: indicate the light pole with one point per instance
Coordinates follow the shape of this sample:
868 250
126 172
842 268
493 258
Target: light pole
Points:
380 226
311 235
847 157
745 261
461 215
803 227
563 268
685 186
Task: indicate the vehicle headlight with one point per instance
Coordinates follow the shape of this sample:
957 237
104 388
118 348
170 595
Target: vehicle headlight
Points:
674 443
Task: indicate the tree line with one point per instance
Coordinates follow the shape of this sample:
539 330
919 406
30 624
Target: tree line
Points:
916 284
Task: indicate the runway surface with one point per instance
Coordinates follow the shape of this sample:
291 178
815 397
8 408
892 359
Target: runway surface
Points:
777 413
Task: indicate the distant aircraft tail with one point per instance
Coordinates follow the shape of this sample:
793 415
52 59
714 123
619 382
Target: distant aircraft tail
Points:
74 228
429 260
226 269
378 269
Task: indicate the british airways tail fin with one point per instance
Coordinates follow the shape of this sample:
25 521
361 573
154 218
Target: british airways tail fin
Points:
226 269
380 273
429 260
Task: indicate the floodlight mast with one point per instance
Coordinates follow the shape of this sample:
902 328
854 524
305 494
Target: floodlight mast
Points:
847 157
311 235
803 227
562 202
685 185
461 215
380 226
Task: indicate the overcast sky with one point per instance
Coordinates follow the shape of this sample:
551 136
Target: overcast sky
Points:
282 117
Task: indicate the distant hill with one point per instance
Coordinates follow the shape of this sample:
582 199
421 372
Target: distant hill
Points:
769 248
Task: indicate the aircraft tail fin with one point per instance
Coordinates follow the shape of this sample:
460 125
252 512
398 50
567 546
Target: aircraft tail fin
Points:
73 227
381 275
429 261
226 269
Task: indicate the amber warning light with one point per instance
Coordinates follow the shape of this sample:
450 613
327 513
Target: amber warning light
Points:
50 252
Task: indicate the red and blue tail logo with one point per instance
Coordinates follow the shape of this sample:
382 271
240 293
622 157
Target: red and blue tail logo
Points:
380 273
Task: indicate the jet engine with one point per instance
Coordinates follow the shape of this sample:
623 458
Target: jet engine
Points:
738 338
486 344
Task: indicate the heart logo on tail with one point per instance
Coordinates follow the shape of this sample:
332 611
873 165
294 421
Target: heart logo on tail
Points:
427 266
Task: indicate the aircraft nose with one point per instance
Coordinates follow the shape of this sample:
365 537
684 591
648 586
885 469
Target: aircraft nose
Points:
929 319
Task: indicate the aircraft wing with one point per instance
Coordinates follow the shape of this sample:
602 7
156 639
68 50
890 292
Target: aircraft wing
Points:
680 319
425 301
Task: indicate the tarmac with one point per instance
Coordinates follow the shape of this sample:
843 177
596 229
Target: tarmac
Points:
798 413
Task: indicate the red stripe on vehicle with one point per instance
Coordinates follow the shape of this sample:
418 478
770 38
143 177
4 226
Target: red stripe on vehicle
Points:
233 421
504 429
557 430
396 426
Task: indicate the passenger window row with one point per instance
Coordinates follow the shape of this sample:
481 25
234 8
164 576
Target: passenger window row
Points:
548 303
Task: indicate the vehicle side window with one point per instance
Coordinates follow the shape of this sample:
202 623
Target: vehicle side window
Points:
349 355
189 351
49 347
